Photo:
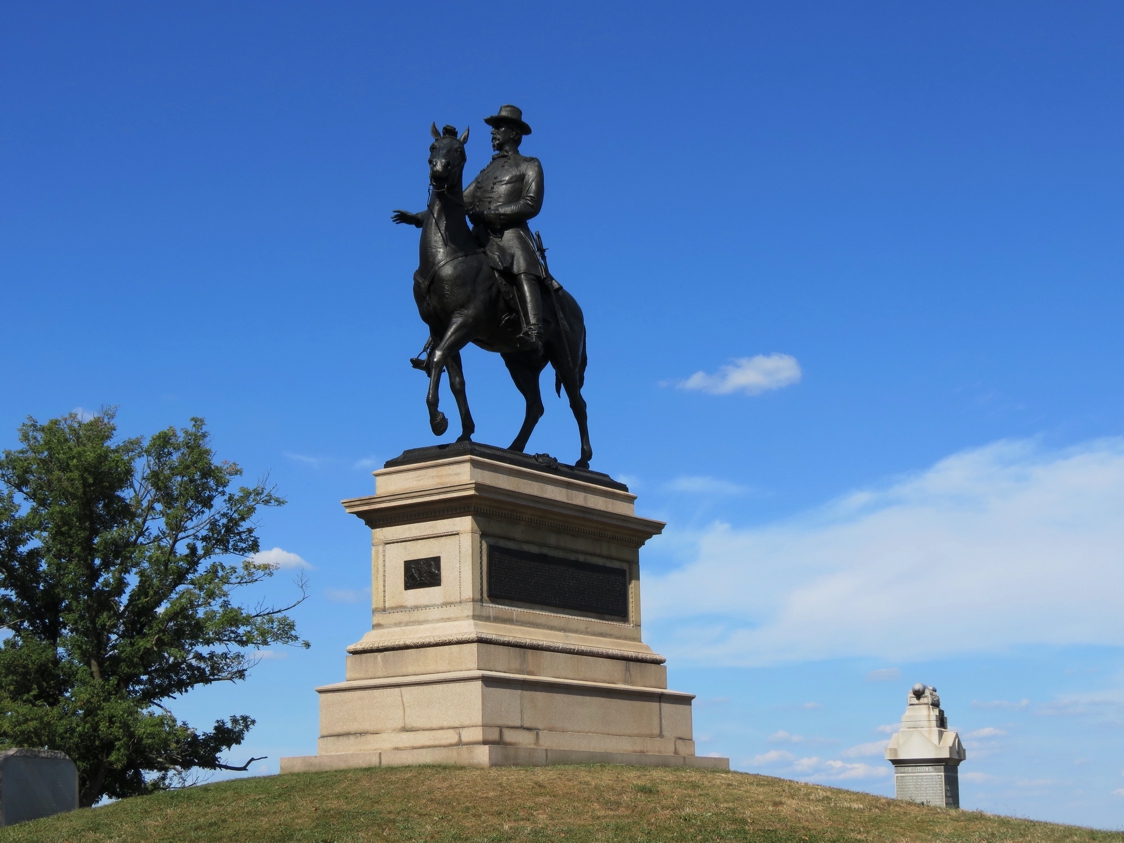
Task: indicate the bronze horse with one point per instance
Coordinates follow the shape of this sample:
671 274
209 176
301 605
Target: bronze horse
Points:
463 299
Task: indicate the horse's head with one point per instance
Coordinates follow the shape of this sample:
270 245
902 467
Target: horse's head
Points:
446 157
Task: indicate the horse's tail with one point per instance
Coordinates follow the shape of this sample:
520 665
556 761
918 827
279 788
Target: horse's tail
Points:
576 321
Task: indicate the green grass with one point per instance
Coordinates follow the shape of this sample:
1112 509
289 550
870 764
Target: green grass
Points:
538 803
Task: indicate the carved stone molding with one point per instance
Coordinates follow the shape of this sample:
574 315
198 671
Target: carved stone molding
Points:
503 641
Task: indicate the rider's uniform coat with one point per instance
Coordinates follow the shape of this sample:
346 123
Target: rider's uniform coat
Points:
509 190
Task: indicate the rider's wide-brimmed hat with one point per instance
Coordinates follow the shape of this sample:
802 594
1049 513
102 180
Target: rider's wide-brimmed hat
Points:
509 114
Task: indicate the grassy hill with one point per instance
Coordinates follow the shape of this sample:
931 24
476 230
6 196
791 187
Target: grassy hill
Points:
542 803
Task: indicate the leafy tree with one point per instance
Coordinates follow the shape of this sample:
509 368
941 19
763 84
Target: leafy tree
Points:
117 598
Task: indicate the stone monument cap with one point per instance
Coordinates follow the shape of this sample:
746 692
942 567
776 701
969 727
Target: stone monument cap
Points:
538 462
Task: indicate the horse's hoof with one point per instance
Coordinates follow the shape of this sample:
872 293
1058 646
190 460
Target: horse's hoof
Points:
439 424
465 437
581 464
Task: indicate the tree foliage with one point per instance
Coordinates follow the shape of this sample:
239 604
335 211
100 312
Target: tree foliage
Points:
114 588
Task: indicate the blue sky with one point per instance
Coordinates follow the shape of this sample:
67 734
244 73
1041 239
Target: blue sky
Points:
851 274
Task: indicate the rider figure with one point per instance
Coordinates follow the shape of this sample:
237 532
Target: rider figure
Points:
500 200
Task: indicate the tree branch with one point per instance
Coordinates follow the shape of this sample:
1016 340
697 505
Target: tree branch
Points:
241 769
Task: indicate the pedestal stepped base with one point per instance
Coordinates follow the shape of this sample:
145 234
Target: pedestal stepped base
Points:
926 754
505 624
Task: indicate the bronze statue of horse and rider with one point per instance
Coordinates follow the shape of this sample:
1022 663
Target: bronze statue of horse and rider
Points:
489 284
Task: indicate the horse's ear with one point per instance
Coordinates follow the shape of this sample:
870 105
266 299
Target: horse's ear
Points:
464 137
433 130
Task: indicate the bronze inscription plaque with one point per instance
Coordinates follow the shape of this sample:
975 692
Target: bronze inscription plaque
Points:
557 583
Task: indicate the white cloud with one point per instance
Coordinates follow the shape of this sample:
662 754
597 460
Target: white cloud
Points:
889 728
347 595
811 705
866 750
279 559
271 655
748 375
366 464
83 414
1119 792
886 674
1007 545
703 486
986 732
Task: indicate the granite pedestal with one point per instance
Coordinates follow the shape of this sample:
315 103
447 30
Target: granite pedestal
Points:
505 624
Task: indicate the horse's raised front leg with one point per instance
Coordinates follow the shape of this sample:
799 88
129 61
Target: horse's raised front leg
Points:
456 337
456 384
525 372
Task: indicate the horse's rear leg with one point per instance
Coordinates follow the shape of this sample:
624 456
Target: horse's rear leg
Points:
526 373
577 404
456 384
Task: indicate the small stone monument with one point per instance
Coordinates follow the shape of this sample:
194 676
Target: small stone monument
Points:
36 783
926 753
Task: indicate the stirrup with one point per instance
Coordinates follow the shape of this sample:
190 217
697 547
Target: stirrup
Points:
528 340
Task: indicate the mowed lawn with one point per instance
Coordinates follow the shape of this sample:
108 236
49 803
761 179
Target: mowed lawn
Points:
539 803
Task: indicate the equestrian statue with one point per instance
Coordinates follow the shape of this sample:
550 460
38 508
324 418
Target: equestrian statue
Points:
489 284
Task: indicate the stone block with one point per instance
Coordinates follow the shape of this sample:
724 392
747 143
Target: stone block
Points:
36 783
558 707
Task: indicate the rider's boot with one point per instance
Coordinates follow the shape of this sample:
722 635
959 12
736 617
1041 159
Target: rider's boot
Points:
530 302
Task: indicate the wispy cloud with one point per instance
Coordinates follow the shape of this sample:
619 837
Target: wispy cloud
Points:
866 750
986 732
747 375
83 414
366 464
281 560
1105 706
889 728
1040 529
271 655
703 486
773 756
818 769
1004 704
631 480
787 738
783 737
814 768
977 777
304 459
885 674
347 595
